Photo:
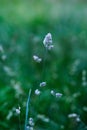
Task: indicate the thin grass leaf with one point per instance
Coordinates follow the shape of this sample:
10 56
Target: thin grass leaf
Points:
27 109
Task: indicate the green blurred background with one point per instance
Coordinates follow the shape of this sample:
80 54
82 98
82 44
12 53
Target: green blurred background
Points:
23 25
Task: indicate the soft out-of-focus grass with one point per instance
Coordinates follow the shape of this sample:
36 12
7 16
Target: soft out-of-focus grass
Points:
26 11
22 29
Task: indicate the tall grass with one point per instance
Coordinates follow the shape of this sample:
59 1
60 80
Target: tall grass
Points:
27 110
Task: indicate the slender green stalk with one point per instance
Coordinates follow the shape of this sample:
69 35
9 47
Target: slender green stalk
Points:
44 64
27 109
19 118
19 122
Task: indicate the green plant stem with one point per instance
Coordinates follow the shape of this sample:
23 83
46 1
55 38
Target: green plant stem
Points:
27 109
44 64
19 122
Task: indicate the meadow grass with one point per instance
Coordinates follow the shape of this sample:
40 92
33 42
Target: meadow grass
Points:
21 36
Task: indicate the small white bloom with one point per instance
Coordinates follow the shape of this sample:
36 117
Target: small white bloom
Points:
17 111
48 41
50 47
58 95
78 119
31 121
52 92
42 84
37 92
37 59
72 115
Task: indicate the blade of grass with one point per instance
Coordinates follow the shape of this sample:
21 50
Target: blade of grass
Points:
27 109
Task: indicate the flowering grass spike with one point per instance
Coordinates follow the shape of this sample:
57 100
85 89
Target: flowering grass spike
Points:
37 59
48 41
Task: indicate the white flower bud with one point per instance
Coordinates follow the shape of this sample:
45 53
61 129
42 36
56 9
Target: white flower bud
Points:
58 95
48 41
52 92
31 121
17 111
37 59
37 92
42 84
72 115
